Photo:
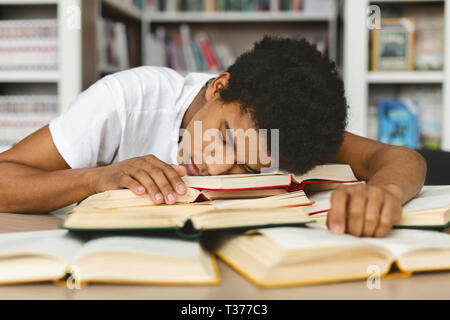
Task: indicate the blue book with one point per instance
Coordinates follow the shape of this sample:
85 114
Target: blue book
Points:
398 123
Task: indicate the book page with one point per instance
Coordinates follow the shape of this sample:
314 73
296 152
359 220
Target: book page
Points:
291 199
400 241
57 243
126 199
291 238
429 198
332 172
171 247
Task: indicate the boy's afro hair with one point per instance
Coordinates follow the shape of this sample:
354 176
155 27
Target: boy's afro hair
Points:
287 84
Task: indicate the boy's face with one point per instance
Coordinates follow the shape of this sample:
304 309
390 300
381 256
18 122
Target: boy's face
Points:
220 139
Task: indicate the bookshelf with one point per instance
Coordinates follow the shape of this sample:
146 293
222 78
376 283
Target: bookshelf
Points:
114 11
206 17
67 77
240 29
140 23
360 82
405 77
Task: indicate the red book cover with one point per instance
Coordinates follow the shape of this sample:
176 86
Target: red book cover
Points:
208 52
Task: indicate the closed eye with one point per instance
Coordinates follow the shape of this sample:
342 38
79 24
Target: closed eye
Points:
248 169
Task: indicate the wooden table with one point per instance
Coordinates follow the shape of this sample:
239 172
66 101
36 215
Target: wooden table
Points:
435 285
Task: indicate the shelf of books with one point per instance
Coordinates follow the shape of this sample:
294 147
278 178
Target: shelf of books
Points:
406 77
397 79
207 36
111 37
40 64
269 16
29 76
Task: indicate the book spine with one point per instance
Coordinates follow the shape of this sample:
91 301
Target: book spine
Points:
207 50
187 48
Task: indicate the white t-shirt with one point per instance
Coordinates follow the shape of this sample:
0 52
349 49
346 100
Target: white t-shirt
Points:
128 114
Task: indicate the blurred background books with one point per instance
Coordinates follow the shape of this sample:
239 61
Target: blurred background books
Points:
43 53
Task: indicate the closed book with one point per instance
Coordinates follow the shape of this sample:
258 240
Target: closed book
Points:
323 174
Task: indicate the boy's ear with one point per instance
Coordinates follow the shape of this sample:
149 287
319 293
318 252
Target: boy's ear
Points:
218 84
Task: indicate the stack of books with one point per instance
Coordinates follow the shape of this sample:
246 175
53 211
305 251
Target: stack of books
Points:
23 114
29 44
264 226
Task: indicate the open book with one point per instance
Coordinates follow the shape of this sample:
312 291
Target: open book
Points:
103 213
331 173
54 255
429 210
293 255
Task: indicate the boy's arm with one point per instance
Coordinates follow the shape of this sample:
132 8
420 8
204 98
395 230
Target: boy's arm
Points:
394 175
35 178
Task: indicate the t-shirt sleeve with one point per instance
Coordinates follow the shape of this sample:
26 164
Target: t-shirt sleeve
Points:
89 133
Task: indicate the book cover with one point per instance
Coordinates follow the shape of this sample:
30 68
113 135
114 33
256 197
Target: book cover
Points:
398 123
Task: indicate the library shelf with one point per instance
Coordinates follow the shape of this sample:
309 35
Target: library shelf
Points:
234 17
29 76
405 77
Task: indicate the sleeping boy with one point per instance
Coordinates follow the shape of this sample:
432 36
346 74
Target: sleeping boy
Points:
139 129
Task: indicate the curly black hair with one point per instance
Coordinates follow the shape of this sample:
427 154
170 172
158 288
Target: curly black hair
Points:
287 84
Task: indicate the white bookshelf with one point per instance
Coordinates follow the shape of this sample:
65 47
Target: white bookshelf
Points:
358 78
29 76
68 76
406 77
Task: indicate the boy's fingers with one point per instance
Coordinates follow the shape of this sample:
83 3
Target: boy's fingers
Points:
174 179
171 177
127 182
355 213
385 221
164 185
145 180
355 216
373 208
179 169
337 215
372 217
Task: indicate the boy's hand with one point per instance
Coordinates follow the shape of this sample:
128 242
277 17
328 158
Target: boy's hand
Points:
142 174
364 209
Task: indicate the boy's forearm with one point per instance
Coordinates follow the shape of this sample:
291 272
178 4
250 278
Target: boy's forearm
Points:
400 170
25 189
